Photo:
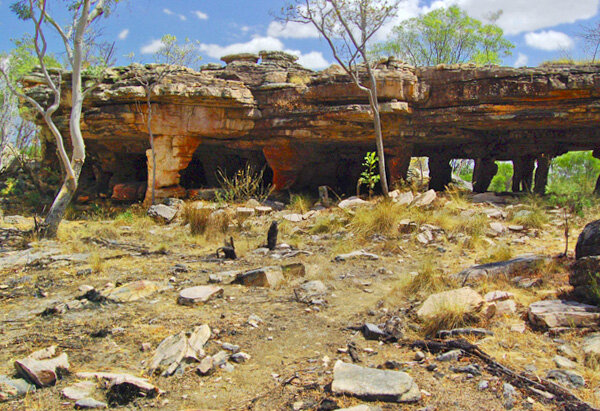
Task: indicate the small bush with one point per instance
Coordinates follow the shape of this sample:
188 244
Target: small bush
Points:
428 280
196 217
500 252
532 216
502 181
245 184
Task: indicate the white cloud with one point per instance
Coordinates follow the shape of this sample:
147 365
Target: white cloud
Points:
200 15
123 34
519 16
167 11
292 30
313 60
253 46
182 17
521 61
549 40
152 47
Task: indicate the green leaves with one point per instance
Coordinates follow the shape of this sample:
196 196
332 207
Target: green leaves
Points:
369 176
447 36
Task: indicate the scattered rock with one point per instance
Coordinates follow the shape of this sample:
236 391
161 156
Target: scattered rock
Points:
516 227
294 270
263 210
206 366
424 199
199 294
240 357
89 403
362 254
489 197
310 290
588 243
472 369
568 378
497 228
508 393
178 347
135 291
361 407
220 358
162 212
125 388
224 277
559 313
591 349
373 332
270 277
374 384
562 362
41 369
11 388
483 385
506 307
452 355
78 391
466 298
507 269
352 202
244 212
567 351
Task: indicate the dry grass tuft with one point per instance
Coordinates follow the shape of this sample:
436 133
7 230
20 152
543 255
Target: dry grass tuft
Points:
196 217
500 252
428 280
531 216
96 262
218 222
326 224
300 203
449 315
381 219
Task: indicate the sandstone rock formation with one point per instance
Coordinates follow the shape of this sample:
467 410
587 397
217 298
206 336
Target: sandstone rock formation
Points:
312 128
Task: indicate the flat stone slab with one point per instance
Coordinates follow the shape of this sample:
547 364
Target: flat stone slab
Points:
559 313
508 268
79 390
362 254
424 199
135 291
162 212
11 388
88 403
223 277
373 384
199 294
352 202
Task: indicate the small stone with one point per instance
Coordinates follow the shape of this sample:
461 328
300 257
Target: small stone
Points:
508 393
263 210
244 212
424 199
568 378
230 347
42 370
515 227
449 356
89 403
220 358
419 356
270 277
567 351
206 366
224 277
493 296
199 294
162 212
352 202
145 347
518 328
506 307
497 228
483 385
358 254
134 291
227 367
11 388
294 218
240 357
373 332
79 390
562 362
85 288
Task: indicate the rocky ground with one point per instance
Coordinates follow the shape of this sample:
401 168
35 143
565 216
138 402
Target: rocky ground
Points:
142 314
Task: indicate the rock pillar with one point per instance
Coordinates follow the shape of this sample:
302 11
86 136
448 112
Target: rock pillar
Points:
398 161
541 173
484 171
286 161
173 154
523 173
440 172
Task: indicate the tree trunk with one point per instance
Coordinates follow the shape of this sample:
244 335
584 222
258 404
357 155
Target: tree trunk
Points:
60 204
148 124
378 133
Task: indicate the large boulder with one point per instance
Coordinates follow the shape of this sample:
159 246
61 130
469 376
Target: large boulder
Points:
558 313
585 278
588 242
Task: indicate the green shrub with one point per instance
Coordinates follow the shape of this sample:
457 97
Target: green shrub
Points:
502 181
245 184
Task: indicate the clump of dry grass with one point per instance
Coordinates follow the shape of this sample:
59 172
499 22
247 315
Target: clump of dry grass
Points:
449 315
96 262
218 222
381 219
196 217
428 280
532 215
300 203
326 224
500 252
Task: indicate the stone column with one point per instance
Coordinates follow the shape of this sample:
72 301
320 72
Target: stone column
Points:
173 154
440 172
286 161
523 173
541 173
484 171
398 161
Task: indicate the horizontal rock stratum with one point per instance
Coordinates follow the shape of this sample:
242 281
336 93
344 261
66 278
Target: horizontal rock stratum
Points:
313 128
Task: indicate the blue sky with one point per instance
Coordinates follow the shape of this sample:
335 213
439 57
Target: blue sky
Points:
540 29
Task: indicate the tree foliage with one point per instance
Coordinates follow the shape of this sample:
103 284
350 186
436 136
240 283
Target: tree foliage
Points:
447 36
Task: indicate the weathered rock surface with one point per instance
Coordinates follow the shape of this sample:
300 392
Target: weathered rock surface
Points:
558 313
466 299
89 403
270 277
122 388
79 390
135 291
179 347
507 269
588 242
199 294
42 367
313 128
585 278
162 212
11 388
591 349
374 384
358 254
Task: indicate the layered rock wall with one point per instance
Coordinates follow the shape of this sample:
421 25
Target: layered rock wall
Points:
313 128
